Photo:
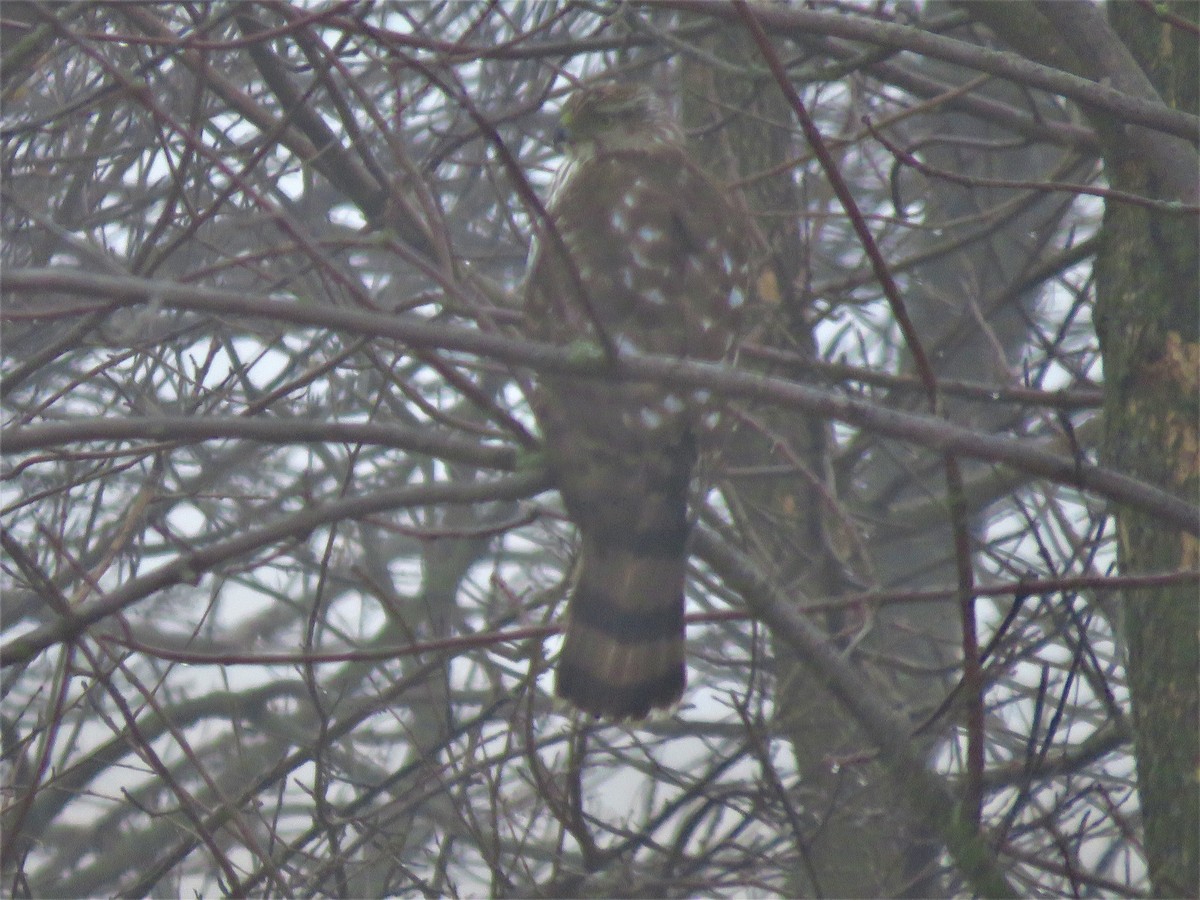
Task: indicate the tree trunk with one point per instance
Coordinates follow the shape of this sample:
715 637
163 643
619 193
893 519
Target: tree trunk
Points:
1146 319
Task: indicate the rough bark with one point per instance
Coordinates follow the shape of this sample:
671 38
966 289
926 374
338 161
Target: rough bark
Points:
1146 319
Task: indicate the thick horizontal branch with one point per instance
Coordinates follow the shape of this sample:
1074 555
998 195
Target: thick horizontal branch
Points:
429 441
188 568
1068 399
796 22
937 434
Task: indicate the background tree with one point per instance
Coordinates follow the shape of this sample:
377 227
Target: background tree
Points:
282 571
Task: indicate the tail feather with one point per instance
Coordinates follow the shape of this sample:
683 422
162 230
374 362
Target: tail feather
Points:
626 490
624 648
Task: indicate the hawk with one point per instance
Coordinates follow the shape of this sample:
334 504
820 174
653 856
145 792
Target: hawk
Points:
654 256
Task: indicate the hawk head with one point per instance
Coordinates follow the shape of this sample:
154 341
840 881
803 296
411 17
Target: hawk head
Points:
607 117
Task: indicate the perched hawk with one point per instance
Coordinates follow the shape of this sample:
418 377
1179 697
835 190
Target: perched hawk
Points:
660 259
